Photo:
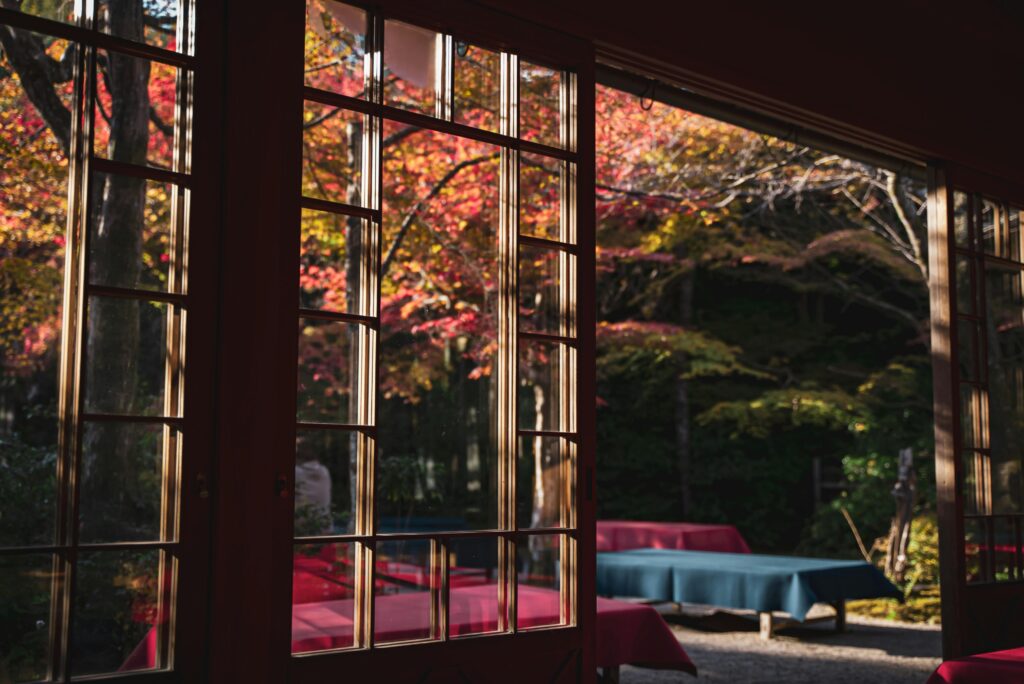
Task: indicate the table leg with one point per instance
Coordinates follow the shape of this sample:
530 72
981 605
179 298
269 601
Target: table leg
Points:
840 608
610 675
766 625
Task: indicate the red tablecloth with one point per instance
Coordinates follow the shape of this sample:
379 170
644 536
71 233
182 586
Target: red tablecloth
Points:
998 667
626 632
623 535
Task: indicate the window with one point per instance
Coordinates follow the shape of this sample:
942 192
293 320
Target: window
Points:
436 428
990 341
95 124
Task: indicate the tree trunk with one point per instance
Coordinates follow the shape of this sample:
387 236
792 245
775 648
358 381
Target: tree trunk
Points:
899 532
682 400
113 338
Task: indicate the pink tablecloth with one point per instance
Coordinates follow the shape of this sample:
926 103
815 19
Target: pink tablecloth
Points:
623 535
626 632
998 667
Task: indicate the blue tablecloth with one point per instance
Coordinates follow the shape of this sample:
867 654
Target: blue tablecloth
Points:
739 580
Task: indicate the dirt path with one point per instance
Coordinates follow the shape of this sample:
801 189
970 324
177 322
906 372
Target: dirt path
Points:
727 649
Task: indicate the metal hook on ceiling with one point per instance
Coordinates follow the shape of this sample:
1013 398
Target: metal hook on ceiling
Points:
648 94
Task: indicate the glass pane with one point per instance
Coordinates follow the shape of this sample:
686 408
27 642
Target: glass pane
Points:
973 418
966 295
122 475
332 154
1004 552
331 263
472 585
975 482
33 222
540 197
126 345
542 486
988 227
335 47
156 24
437 450
1013 234
967 342
540 95
25 584
412 67
323 597
977 559
58 10
538 566
403 601
135 124
119 612
130 238
541 305
477 86
328 370
1005 352
961 224
325 480
541 385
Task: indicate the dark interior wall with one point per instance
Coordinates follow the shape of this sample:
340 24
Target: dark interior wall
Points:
937 80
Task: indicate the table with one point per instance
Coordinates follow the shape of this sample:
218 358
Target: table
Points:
623 535
985 668
742 581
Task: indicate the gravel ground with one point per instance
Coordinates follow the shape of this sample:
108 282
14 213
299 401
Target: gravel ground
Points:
726 648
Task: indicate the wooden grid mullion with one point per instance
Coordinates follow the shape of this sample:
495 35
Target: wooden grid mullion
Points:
428 122
100 164
78 33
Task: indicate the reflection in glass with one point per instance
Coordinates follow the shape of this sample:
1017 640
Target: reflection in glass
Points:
323 597
542 485
331 268
326 464
1004 550
403 600
137 129
327 370
477 93
437 453
540 197
973 416
541 385
961 223
120 611
540 96
25 585
332 154
130 246
975 482
1005 352
155 25
966 288
988 226
335 47
126 506
413 73
125 359
977 552
967 349
472 585
32 253
541 305
538 566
